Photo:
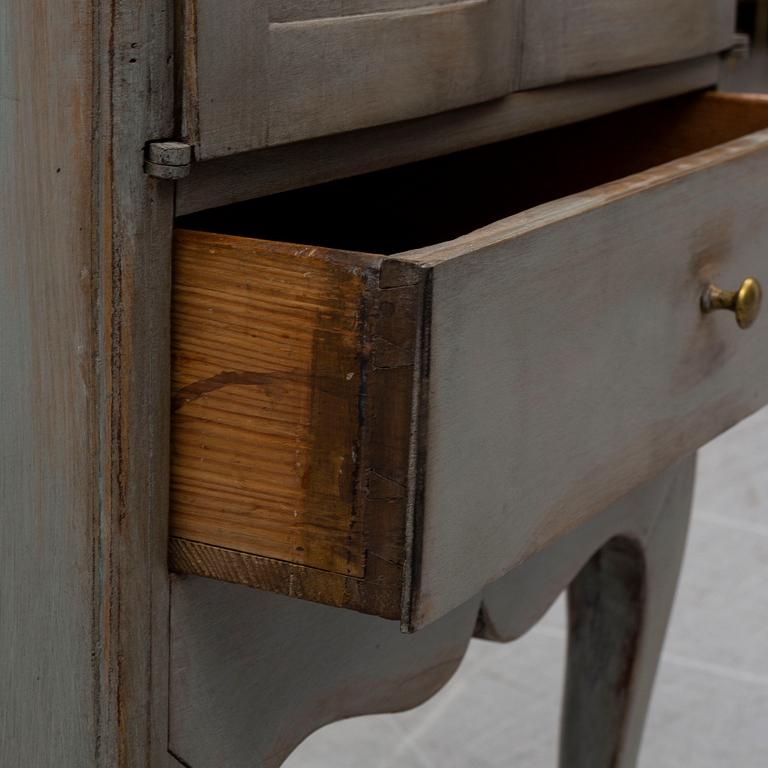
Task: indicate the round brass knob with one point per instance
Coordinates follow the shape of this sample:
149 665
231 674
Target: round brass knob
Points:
745 302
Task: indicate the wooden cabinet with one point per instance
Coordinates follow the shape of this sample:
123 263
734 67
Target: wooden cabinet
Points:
253 75
393 432
437 394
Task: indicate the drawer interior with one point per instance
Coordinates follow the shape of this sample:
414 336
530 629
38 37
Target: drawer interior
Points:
432 201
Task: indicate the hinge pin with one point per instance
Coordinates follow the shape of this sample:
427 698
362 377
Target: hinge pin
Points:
168 159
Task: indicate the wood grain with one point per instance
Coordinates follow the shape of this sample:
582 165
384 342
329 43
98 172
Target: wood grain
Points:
269 73
133 224
267 378
48 501
618 609
84 310
293 381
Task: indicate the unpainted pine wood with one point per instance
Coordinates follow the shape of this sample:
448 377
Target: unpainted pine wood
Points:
598 367
293 391
48 502
267 381
577 39
265 74
229 180
253 674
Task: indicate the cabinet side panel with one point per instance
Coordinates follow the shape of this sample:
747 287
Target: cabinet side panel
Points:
48 502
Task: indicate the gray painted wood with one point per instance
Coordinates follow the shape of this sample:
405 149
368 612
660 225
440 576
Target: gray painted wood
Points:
267 171
133 227
570 359
83 275
574 39
619 607
267 74
508 612
254 673
48 495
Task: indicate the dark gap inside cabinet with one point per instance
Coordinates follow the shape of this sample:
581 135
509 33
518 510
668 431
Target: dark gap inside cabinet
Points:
439 199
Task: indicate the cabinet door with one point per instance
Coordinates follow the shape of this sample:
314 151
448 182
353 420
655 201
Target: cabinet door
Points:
573 39
267 72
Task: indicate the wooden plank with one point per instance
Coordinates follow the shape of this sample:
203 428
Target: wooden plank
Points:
265 172
293 381
334 74
267 378
225 60
132 237
48 483
575 39
83 578
598 367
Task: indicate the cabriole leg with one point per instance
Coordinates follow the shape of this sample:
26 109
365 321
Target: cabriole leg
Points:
619 606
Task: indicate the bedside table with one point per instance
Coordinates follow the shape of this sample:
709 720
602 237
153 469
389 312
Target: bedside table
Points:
400 318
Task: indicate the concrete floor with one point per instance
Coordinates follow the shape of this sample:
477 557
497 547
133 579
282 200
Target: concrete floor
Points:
710 706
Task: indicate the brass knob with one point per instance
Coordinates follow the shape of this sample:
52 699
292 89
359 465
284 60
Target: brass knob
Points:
745 302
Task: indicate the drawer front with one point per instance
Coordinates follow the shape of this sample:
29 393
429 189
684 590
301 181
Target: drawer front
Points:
262 74
573 39
571 360
392 433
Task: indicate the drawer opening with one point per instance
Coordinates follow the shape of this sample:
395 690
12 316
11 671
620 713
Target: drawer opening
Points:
436 200
315 446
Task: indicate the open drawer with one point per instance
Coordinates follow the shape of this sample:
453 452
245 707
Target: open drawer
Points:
392 432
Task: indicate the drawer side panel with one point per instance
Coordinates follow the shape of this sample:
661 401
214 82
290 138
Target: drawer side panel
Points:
266 388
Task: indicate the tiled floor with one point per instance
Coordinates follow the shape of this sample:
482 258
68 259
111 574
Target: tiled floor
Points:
710 707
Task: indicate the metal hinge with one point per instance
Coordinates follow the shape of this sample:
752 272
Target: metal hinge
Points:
168 159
